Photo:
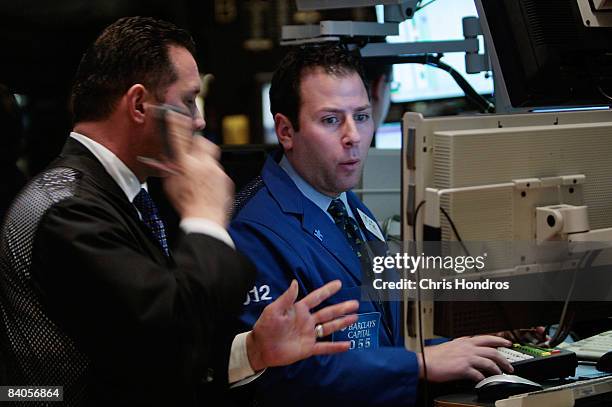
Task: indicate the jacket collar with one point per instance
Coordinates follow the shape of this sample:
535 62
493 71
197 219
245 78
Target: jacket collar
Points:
314 221
76 155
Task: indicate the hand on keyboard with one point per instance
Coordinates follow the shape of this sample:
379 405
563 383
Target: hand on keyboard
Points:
470 358
531 336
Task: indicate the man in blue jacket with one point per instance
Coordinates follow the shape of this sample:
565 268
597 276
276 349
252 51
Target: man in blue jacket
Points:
299 220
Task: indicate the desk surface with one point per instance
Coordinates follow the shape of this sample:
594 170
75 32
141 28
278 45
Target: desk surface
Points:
469 399
461 400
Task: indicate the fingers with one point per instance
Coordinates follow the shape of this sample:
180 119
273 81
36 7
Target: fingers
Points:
286 300
506 335
334 311
474 374
485 366
490 341
321 294
486 348
337 324
180 133
535 335
182 141
204 146
163 168
326 348
540 330
497 358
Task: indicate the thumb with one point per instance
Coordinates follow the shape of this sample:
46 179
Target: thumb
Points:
180 134
287 299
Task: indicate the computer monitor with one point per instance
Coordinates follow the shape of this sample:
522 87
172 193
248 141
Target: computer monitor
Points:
550 53
389 136
267 121
439 21
497 169
380 182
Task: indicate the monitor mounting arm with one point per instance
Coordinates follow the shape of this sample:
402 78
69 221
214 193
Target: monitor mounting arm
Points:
395 10
359 33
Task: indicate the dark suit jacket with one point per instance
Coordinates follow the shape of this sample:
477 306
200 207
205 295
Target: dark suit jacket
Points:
151 331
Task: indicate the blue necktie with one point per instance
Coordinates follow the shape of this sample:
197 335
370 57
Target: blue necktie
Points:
350 229
347 225
150 217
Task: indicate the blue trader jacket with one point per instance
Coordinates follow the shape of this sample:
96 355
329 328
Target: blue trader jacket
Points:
288 237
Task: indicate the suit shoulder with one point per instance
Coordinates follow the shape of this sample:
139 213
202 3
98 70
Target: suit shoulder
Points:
47 189
57 190
261 215
255 203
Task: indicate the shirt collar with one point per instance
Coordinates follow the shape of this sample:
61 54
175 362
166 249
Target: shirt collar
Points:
119 172
318 198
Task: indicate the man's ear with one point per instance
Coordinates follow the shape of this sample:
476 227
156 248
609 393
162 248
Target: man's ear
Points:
378 88
135 99
284 131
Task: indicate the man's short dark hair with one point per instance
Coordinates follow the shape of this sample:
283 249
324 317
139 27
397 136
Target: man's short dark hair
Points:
374 70
132 50
334 59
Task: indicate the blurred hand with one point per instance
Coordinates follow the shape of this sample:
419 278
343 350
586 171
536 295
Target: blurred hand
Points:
196 184
471 358
531 336
285 331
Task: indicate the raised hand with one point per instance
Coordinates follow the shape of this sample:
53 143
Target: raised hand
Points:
285 331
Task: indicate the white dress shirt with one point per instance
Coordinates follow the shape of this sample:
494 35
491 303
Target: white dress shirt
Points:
239 366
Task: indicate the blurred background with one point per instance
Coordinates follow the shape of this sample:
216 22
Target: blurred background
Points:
238 43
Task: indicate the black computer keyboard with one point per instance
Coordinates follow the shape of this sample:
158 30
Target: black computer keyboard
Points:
536 363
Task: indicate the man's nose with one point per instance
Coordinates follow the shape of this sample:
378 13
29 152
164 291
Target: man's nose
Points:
351 134
198 121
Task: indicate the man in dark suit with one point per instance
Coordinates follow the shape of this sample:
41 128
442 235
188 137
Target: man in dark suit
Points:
91 297
11 145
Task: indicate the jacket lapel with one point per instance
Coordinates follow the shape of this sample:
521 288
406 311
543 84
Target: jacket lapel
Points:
379 247
314 221
77 156
318 225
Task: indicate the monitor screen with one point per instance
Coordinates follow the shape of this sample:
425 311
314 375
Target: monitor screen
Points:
438 21
269 135
389 136
549 53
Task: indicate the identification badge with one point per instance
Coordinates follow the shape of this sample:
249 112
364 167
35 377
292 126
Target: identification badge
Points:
363 334
370 224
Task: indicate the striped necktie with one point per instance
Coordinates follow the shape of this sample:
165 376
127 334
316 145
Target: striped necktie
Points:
350 229
150 217
347 225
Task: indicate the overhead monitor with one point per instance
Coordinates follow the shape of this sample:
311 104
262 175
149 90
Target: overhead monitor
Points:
441 20
550 53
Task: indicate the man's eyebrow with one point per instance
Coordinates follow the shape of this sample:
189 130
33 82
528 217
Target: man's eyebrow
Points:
336 110
331 110
193 88
190 94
